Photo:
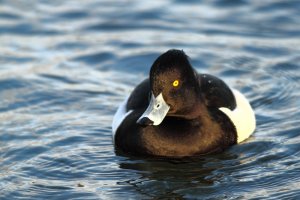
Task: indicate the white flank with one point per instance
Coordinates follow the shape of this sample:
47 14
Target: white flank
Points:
242 116
119 117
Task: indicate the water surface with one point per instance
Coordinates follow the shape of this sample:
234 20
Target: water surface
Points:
65 66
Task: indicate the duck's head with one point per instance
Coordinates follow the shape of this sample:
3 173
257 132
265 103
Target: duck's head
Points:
174 88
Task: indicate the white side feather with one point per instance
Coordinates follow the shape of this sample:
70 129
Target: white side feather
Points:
242 116
120 115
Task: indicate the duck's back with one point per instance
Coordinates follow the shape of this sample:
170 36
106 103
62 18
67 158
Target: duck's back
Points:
231 102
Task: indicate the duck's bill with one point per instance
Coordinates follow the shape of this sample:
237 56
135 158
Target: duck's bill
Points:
156 111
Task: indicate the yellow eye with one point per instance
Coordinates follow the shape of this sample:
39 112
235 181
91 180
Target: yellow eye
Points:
175 83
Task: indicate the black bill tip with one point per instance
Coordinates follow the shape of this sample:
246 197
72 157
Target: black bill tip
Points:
145 121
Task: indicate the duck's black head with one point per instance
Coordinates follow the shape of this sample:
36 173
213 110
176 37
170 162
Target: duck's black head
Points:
174 87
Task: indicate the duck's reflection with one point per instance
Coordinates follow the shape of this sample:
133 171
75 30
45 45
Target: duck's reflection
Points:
168 178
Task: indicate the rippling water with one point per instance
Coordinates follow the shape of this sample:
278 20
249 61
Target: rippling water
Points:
66 65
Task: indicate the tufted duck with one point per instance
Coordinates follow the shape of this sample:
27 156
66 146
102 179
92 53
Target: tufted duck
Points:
178 112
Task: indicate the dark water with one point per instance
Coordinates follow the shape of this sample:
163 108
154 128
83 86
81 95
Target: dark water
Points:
66 65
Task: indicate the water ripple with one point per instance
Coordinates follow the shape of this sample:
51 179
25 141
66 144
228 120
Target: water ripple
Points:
66 66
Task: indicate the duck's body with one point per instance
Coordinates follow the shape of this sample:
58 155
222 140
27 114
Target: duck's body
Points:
178 112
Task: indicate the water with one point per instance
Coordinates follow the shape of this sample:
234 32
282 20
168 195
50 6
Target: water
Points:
65 66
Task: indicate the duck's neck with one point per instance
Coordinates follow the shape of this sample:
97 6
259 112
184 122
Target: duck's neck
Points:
198 110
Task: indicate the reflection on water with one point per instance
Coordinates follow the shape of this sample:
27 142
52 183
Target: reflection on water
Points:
66 66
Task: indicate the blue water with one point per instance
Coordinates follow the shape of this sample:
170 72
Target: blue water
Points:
65 66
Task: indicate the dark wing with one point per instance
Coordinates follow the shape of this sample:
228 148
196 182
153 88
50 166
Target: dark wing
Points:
139 97
216 93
